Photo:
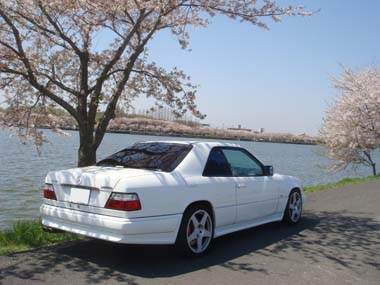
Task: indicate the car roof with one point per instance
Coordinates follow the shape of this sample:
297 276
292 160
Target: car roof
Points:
197 143
195 161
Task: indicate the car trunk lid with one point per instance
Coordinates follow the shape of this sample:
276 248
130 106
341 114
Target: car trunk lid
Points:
89 186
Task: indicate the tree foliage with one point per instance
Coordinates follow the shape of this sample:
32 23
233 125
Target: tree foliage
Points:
351 127
89 55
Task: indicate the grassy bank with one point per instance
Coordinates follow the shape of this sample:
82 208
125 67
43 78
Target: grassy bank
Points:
315 188
28 234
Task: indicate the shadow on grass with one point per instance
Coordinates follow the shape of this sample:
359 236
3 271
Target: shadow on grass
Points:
346 239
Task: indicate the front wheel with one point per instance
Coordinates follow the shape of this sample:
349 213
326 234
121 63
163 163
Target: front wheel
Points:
293 209
196 231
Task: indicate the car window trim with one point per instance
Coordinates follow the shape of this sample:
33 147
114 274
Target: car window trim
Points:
208 157
250 155
234 148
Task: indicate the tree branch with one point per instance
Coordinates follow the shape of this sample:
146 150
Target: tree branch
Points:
59 84
30 75
109 112
59 31
97 88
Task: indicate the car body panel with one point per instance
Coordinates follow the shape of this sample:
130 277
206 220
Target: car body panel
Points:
257 197
149 230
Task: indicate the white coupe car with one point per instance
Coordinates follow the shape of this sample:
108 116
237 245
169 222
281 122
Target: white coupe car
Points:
182 193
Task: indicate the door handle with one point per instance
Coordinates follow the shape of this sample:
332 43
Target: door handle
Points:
241 185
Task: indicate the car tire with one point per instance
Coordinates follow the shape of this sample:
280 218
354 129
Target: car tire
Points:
293 211
196 231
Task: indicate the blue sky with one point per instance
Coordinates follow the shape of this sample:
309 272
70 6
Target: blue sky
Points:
277 79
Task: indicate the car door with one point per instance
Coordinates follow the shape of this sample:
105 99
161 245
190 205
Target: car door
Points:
256 194
221 188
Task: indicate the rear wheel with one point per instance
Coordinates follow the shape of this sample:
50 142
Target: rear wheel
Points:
293 209
196 231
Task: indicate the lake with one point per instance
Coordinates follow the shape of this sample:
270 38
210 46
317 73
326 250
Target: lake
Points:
22 170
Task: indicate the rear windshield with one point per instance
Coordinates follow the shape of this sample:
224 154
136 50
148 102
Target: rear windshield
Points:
154 156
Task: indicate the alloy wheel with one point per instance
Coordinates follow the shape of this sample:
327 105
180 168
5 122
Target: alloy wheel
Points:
199 231
295 206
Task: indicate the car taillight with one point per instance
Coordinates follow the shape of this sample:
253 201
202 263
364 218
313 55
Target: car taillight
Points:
49 193
123 202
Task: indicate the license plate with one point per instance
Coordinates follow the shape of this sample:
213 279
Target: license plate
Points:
79 195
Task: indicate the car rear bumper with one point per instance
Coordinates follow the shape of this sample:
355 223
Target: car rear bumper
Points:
149 230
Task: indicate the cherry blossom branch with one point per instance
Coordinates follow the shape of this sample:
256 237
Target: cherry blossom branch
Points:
30 75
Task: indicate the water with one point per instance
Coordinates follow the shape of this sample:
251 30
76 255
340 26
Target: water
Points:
22 171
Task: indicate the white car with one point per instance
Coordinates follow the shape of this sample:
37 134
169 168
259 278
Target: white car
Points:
182 193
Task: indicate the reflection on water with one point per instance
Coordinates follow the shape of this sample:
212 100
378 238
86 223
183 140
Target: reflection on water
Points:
22 171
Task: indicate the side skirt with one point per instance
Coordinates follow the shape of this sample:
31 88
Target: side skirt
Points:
246 225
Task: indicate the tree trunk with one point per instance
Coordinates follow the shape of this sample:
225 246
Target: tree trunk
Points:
86 151
86 156
370 161
373 169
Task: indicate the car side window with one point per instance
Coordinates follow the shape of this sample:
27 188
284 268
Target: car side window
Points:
242 164
217 165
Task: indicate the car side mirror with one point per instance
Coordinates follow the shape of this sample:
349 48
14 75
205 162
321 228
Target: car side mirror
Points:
268 169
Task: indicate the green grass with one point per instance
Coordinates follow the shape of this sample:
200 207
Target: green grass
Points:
29 234
315 188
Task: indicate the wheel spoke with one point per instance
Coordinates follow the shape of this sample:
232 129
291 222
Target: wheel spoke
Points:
203 220
192 236
195 221
199 244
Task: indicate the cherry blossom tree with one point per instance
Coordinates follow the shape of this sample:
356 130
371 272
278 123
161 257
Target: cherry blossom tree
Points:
85 56
351 127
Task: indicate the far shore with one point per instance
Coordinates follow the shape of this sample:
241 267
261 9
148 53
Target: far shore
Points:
183 135
140 125
143 125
